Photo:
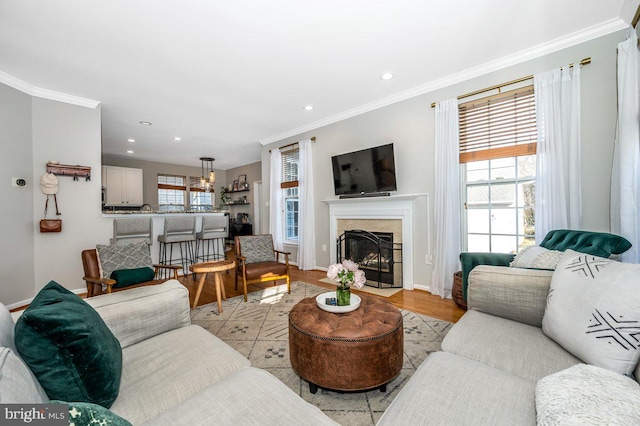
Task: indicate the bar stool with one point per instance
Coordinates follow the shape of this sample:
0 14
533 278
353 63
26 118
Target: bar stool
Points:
131 230
213 234
181 231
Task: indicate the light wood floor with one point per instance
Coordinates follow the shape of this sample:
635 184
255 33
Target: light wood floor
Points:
418 301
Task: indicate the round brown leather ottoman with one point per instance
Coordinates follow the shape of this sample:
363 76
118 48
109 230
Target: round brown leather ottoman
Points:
354 351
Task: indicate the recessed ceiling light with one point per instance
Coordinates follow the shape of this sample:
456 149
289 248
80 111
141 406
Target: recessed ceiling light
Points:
387 76
308 107
145 123
129 152
131 140
177 138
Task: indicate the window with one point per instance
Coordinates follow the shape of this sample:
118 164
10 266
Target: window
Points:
289 184
497 153
199 200
171 192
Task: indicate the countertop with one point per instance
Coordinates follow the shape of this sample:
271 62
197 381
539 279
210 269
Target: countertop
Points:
163 212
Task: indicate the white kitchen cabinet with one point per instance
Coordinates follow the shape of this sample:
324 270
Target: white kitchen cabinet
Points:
123 186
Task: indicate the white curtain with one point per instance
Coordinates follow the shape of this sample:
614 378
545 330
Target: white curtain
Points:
275 208
306 216
447 199
558 187
625 179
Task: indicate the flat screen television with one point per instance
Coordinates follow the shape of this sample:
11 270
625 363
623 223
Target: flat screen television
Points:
363 172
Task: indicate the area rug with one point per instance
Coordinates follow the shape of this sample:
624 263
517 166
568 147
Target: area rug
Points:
258 329
384 292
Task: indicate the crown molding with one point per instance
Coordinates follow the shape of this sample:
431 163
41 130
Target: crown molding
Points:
602 29
38 92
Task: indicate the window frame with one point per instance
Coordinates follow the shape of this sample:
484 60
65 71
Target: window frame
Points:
172 187
288 181
195 189
487 134
516 181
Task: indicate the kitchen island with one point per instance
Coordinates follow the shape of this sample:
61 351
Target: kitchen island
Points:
157 218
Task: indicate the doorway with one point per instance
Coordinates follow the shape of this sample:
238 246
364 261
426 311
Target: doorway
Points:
257 207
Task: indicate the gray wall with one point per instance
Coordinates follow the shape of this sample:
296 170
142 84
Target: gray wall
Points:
152 169
410 126
69 134
16 212
36 130
254 174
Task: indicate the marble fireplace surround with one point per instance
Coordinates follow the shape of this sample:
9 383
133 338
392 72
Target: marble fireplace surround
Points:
375 210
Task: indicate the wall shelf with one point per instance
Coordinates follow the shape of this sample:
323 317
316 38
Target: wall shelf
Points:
236 204
68 170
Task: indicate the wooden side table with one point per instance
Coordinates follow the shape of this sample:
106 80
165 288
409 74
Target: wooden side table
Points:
216 268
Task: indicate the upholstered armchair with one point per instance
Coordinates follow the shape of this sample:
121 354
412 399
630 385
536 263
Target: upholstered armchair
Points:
96 283
595 243
257 261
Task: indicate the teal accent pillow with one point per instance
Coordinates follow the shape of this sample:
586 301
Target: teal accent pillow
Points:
86 413
600 244
127 277
69 348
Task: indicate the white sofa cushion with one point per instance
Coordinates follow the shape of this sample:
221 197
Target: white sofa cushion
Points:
516 348
163 371
17 382
158 309
593 310
451 390
249 397
587 395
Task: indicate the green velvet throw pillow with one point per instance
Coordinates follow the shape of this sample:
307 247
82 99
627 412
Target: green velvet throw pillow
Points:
69 348
86 414
127 277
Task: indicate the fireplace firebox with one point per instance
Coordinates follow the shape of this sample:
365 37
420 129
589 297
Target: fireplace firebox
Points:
375 253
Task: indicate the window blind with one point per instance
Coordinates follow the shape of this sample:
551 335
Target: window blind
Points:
171 182
194 184
498 126
290 161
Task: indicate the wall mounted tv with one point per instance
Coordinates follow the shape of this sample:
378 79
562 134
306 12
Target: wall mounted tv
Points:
368 172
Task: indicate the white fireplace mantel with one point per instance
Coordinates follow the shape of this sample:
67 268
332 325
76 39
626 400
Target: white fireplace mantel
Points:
389 207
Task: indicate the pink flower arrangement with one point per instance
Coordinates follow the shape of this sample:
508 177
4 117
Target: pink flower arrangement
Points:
347 273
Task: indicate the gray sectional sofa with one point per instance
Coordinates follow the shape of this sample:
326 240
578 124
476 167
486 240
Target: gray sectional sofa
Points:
173 373
491 359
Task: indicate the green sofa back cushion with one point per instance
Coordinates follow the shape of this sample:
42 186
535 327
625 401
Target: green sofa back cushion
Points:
127 277
594 243
69 348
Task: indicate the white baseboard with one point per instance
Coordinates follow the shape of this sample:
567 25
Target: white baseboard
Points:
422 287
28 301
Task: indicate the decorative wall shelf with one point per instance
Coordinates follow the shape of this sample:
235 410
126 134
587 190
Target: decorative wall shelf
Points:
68 170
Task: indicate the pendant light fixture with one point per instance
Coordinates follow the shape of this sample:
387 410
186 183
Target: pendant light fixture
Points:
208 178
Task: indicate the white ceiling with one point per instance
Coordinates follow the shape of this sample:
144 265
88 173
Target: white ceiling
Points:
226 76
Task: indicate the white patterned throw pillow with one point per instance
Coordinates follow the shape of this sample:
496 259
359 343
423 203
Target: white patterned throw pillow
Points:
587 395
593 310
257 248
127 256
536 257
